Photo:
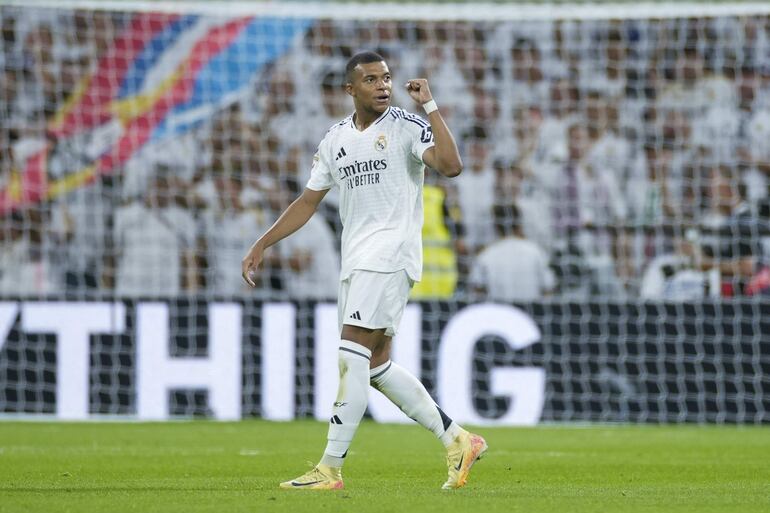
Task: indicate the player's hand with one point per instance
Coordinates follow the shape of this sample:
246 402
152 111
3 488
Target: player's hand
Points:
418 89
250 263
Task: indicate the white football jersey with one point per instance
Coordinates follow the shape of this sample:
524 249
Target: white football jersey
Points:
379 172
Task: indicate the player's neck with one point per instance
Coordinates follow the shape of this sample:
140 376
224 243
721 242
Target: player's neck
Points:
363 118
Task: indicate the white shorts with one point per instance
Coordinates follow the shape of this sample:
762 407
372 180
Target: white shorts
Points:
373 300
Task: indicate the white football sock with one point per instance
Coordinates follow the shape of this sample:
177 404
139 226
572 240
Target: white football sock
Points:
406 392
350 405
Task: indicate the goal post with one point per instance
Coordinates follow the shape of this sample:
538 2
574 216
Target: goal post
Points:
622 147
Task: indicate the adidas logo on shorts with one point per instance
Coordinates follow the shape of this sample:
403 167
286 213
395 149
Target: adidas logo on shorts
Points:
356 315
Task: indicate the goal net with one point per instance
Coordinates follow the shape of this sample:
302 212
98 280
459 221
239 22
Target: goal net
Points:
603 255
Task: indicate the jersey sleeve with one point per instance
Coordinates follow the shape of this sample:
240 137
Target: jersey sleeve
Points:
419 133
321 177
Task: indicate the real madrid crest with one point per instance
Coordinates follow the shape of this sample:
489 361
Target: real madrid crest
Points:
381 143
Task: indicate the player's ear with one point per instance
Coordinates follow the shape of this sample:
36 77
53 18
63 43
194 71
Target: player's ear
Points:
349 88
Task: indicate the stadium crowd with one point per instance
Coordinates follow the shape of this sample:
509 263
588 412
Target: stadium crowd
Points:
620 159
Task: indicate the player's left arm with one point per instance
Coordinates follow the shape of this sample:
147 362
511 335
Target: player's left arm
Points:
444 156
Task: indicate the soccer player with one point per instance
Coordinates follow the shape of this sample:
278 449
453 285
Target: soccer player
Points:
377 158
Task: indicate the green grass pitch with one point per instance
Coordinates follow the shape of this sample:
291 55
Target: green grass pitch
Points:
231 467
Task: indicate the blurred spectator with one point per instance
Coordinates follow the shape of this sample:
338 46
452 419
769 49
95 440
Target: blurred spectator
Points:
512 184
551 148
586 204
758 134
670 136
526 84
447 80
280 112
647 189
610 151
84 213
674 277
750 141
232 217
613 66
183 156
582 194
511 269
154 241
28 254
335 104
732 241
476 189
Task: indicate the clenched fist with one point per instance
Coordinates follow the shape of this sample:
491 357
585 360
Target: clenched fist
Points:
419 91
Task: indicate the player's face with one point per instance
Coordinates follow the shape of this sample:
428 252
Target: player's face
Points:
371 86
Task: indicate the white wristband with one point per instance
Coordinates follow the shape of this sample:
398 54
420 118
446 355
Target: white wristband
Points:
430 106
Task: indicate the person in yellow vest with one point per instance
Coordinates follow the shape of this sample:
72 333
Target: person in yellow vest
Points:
441 243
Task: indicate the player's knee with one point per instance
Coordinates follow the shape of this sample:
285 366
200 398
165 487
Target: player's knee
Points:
381 351
374 340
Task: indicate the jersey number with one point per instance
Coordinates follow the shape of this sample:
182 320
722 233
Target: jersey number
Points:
427 135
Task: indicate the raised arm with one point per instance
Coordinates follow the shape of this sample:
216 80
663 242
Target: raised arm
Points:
444 156
291 220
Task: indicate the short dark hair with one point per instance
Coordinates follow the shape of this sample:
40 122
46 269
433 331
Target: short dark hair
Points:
331 81
476 133
507 218
361 58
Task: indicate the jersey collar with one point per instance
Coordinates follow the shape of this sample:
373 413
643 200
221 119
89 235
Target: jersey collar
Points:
382 116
